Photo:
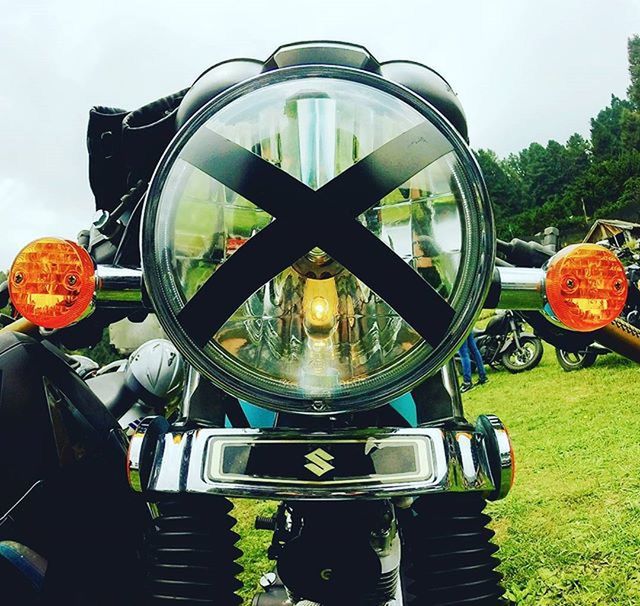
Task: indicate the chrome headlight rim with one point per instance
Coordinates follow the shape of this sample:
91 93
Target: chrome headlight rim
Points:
478 230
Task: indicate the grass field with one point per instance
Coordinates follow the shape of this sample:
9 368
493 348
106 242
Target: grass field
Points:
569 531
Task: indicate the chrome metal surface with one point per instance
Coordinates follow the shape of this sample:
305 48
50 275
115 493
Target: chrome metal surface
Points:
521 288
118 286
268 579
390 574
398 600
450 382
497 434
193 378
384 538
457 461
135 453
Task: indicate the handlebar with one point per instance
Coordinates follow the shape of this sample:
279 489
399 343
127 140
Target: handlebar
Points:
524 254
518 288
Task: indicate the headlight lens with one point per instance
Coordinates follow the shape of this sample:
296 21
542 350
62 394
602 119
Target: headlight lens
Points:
316 338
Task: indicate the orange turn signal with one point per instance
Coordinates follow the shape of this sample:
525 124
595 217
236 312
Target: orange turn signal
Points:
52 282
586 287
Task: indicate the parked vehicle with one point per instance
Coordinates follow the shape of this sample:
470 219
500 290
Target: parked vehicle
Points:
314 235
504 342
583 358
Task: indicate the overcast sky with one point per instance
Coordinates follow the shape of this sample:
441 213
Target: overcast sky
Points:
525 70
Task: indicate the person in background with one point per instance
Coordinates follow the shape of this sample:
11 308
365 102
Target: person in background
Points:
467 349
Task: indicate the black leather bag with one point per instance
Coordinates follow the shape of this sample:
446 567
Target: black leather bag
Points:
125 146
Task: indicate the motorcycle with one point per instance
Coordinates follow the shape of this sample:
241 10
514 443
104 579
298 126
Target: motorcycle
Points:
315 238
583 358
503 342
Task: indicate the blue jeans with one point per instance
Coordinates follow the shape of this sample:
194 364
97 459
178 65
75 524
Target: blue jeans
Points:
470 346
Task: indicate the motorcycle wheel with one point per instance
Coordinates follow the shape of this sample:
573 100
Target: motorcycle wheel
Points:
570 361
527 357
190 553
447 554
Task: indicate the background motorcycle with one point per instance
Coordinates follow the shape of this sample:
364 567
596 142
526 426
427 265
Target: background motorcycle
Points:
504 342
582 358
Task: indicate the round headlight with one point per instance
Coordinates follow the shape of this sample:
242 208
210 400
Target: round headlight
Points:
317 239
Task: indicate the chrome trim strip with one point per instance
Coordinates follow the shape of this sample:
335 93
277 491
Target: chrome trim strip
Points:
459 462
134 454
450 382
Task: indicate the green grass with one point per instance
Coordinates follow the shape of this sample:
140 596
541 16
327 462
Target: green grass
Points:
569 531
254 543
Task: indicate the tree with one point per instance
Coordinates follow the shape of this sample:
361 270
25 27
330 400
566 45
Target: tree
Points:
504 185
606 129
633 47
578 155
630 130
532 167
569 185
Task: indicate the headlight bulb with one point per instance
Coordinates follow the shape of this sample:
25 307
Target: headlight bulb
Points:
320 373
319 310
320 306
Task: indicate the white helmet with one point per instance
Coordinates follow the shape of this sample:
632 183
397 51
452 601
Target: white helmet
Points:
158 368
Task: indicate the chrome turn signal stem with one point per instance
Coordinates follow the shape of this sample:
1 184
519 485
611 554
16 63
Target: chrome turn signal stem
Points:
519 288
513 287
119 287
